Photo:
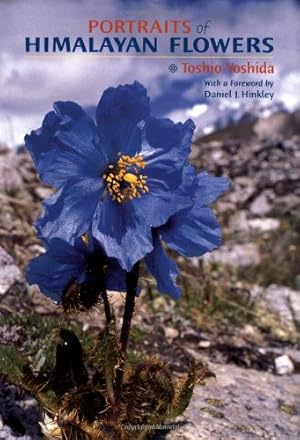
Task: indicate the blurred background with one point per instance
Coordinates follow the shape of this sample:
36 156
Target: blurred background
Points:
240 308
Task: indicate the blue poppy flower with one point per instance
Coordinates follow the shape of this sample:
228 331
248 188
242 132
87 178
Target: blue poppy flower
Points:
191 232
117 177
75 275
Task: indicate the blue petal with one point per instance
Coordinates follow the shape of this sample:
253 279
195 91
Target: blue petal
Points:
119 112
63 252
53 270
192 232
76 130
156 207
164 134
57 168
166 147
122 233
115 277
40 141
210 188
69 128
69 212
164 270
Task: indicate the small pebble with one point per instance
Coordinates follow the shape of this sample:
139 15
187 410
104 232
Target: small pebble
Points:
284 365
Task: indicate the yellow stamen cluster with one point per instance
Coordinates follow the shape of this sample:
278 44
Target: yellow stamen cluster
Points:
124 179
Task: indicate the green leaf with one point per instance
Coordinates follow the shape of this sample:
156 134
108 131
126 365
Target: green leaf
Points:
16 370
185 387
13 365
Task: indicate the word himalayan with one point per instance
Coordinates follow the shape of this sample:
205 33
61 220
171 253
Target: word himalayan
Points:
149 45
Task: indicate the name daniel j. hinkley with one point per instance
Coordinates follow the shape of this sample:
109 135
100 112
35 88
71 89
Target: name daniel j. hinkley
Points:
256 94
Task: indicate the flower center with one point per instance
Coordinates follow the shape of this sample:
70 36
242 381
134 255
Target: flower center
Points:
124 179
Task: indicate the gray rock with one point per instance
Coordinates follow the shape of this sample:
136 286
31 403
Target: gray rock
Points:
171 333
237 255
238 222
10 180
284 302
241 192
20 415
288 204
265 224
260 206
10 274
241 404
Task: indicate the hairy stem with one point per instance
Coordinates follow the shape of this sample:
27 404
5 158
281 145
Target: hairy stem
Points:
131 286
106 306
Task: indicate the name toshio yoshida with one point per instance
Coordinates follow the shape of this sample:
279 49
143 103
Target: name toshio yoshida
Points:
231 68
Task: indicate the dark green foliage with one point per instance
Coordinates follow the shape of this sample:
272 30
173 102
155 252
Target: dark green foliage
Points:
149 392
17 370
185 387
38 337
81 400
13 365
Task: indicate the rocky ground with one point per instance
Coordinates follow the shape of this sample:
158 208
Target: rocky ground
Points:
241 405
240 310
